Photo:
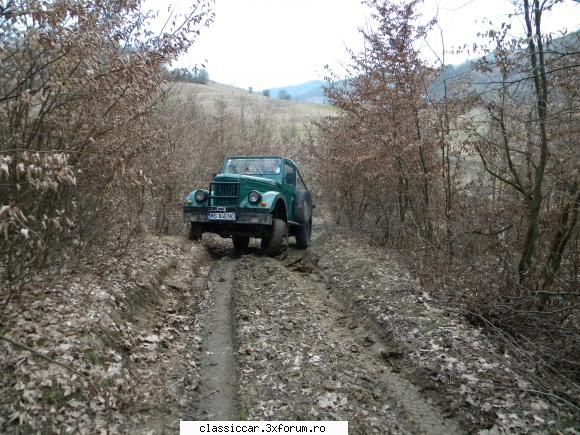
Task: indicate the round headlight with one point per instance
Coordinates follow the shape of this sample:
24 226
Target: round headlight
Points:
200 196
254 197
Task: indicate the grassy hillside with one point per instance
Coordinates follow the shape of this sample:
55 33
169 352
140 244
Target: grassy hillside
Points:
238 100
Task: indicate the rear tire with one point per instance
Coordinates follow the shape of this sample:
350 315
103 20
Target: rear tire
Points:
240 243
302 234
272 244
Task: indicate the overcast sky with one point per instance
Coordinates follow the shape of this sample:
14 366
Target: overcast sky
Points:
275 43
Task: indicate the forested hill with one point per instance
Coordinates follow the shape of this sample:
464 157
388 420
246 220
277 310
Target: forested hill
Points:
475 77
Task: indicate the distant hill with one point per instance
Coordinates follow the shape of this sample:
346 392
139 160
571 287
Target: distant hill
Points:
464 79
308 92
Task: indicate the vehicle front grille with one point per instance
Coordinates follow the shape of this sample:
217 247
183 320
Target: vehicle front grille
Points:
224 193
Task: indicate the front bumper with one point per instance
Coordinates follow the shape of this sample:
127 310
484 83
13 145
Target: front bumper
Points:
243 216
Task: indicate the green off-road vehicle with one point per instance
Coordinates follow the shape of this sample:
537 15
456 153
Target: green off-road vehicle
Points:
261 197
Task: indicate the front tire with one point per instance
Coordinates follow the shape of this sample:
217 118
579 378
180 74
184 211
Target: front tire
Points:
241 243
302 234
195 231
303 207
272 244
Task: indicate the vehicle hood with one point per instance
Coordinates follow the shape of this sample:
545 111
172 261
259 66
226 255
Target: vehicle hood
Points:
254 181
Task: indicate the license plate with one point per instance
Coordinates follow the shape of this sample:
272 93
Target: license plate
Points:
221 216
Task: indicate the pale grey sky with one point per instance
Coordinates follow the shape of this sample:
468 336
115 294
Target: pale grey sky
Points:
272 43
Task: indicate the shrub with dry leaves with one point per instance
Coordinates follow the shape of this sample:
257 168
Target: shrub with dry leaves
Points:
79 82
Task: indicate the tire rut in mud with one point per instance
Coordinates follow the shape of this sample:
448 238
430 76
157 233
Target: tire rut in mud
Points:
303 356
217 391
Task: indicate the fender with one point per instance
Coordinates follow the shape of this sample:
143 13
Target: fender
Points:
271 198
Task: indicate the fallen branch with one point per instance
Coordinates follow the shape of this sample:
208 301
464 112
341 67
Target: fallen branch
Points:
58 363
542 393
44 357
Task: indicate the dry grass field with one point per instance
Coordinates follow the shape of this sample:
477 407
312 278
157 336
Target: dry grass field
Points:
280 113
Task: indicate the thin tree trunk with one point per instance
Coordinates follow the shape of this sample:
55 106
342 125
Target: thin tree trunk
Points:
536 54
424 170
530 239
566 227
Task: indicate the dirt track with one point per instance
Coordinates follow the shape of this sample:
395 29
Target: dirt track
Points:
341 332
300 354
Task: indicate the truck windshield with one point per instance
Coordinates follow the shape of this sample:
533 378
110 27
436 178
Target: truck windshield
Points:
253 166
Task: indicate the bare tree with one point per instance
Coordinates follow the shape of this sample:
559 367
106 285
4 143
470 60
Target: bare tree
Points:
524 113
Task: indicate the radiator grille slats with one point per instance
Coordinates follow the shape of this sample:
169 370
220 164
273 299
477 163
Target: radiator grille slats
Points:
224 193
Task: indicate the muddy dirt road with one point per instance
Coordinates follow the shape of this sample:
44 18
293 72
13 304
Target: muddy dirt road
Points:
342 332
278 344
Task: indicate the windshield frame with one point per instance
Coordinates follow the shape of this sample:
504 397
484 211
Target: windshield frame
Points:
253 166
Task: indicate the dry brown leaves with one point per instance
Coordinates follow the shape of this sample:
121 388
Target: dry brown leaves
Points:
483 380
120 326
